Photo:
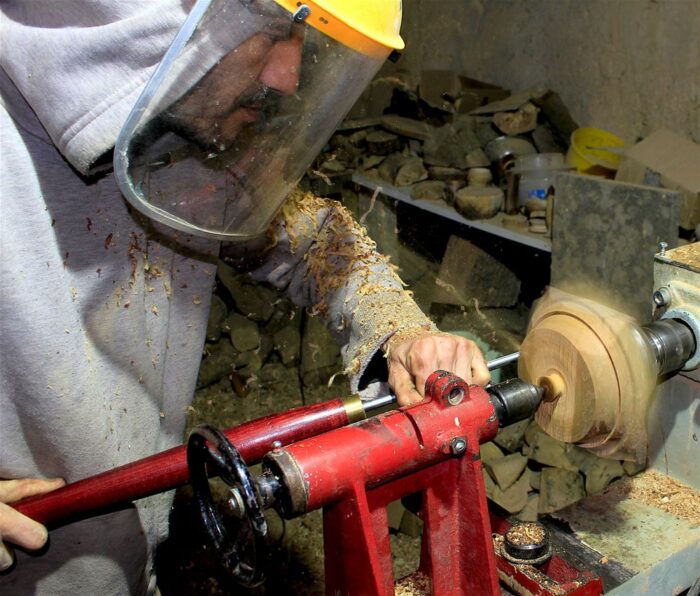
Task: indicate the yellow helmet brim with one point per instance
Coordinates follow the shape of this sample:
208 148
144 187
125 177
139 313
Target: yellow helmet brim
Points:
367 26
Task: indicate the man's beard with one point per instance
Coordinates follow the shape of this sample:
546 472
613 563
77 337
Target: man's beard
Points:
264 100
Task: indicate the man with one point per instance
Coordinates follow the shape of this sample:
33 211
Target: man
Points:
104 310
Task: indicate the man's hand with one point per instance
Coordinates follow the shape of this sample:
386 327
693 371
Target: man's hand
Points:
18 528
412 360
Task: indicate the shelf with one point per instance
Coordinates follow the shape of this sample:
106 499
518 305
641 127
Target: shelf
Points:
491 226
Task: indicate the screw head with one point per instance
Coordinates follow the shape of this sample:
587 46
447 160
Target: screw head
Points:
458 446
662 248
236 503
276 445
302 13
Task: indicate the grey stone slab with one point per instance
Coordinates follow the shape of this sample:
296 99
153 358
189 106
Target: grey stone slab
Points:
604 238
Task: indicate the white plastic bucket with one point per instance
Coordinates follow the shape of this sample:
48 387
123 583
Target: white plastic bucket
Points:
536 174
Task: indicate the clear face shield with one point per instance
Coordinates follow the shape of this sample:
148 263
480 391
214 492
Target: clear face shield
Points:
242 102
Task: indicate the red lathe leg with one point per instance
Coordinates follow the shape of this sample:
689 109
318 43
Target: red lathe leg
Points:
457 549
356 545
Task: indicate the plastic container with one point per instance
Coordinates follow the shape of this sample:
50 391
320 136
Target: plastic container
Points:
536 175
589 154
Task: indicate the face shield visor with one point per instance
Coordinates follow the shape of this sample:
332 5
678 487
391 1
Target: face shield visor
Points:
242 102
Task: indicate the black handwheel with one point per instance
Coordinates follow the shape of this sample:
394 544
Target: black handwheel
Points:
210 453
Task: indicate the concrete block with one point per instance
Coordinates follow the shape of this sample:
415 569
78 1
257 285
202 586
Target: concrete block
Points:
559 488
506 470
468 273
511 437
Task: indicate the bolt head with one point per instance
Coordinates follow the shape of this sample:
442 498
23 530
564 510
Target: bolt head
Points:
458 446
661 297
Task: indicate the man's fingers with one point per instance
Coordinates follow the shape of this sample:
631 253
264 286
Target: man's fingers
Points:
16 490
413 361
422 361
21 530
481 374
402 384
15 527
6 557
462 366
469 363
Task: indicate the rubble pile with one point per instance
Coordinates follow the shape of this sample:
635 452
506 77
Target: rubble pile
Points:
451 139
528 473
254 338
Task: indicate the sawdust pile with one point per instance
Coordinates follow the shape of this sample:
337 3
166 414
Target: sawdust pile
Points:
415 584
663 492
527 533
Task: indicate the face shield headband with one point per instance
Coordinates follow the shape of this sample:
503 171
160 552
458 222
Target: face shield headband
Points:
242 102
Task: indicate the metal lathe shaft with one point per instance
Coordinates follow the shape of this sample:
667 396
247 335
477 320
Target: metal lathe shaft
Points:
673 343
386 400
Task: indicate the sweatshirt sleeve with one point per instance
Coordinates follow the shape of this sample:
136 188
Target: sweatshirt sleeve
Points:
324 260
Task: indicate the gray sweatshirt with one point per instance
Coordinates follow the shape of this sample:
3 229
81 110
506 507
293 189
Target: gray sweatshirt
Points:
102 312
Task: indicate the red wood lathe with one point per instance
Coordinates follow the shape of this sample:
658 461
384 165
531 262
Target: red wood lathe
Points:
431 449
352 473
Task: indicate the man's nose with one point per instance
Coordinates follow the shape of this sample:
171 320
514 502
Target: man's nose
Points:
281 70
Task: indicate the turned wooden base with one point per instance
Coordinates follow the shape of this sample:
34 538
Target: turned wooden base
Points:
597 370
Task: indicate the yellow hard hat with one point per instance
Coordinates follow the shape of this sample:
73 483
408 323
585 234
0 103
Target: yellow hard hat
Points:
367 26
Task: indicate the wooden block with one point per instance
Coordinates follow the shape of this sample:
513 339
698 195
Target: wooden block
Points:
394 513
602 473
380 142
411 524
550 452
450 144
670 160
489 483
529 512
410 172
489 452
518 122
407 127
632 467
532 430
429 190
